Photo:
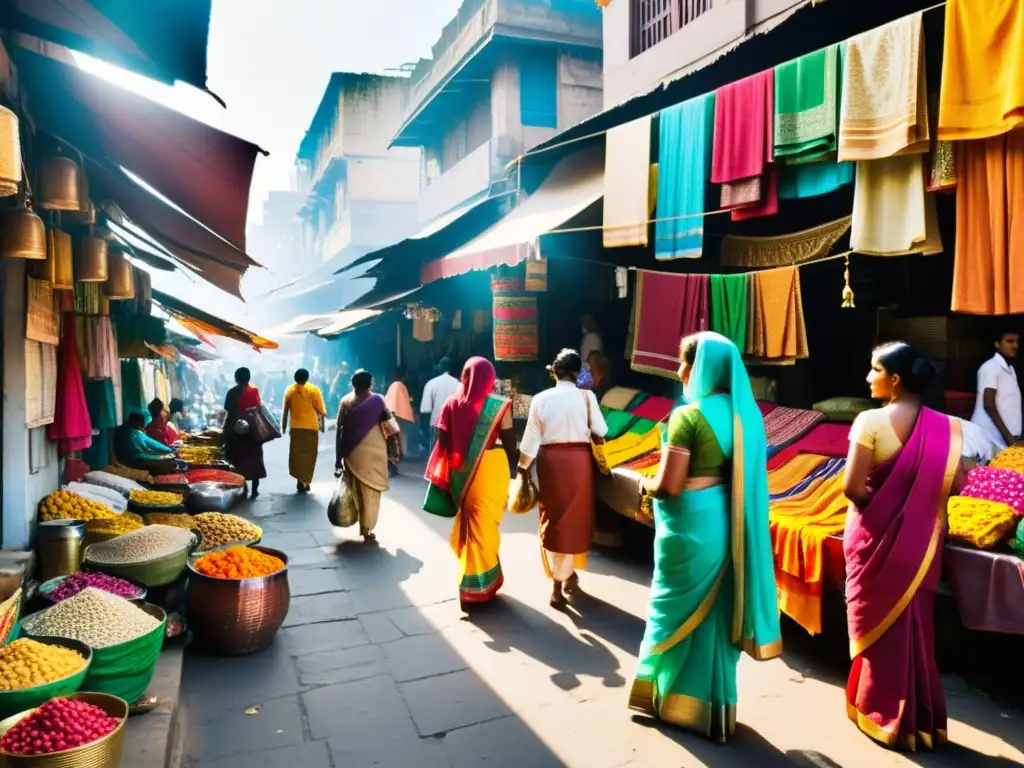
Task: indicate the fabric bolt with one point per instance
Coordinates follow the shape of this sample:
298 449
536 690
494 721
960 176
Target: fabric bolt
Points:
884 110
729 306
988 264
785 425
627 179
784 250
982 92
827 469
829 440
618 423
71 428
783 478
1011 458
892 213
515 326
630 446
667 308
684 157
780 333
797 182
807 106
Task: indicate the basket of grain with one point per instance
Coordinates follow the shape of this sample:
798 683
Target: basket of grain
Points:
99 734
238 598
125 638
33 671
152 556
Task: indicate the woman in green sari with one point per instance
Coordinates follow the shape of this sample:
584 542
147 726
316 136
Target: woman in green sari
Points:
713 591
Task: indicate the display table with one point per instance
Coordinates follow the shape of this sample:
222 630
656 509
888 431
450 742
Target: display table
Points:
988 588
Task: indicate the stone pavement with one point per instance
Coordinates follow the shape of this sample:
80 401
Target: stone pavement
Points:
377 666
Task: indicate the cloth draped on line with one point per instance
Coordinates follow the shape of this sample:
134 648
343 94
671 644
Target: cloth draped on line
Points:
100 402
892 213
807 106
132 398
797 182
776 331
515 326
71 428
784 250
666 308
785 425
988 264
713 593
893 551
982 92
884 108
830 440
364 450
627 171
942 171
729 308
743 146
97 346
684 157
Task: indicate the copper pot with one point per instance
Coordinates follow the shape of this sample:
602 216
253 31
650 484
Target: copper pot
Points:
59 184
23 235
10 153
237 617
91 259
120 279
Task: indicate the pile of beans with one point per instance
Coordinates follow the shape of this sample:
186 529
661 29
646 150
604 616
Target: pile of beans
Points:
28 664
76 582
141 546
94 617
219 529
58 725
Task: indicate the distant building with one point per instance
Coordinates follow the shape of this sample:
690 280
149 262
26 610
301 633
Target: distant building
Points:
276 243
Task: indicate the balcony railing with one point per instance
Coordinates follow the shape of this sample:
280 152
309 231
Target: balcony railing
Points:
654 20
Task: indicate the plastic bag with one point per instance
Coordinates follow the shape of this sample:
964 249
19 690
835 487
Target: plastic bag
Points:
522 494
343 509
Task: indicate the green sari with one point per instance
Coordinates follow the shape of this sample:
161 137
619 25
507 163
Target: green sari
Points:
713 591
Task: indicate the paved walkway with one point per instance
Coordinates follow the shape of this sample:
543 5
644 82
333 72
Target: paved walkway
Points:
377 666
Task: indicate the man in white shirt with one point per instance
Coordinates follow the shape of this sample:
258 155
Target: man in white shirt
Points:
435 393
997 408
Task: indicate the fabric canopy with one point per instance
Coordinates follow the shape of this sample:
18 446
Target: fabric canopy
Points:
202 323
165 40
310 323
575 183
202 170
347 320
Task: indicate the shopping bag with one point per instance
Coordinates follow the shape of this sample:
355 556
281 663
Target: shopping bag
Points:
263 427
439 502
343 508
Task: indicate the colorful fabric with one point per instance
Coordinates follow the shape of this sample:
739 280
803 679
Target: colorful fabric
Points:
982 91
627 180
784 478
359 417
893 551
743 145
684 157
807 106
132 398
892 213
459 418
630 446
399 401
797 182
783 250
71 428
475 537
515 326
729 304
988 276
1011 458
305 406
995 484
785 425
303 447
622 422
689 427
825 470
621 398
829 440
884 109
980 522
768 201
779 334
667 307
652 408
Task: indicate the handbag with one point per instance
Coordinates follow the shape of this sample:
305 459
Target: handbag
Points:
523 494
596 443
439 502
263 427
343 508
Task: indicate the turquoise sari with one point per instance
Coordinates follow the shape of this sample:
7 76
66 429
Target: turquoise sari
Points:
713 591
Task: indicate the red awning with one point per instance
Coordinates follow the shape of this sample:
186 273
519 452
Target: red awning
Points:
202 170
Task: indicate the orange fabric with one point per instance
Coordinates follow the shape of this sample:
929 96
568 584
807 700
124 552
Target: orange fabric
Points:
780 335
792 472
799 527
988 269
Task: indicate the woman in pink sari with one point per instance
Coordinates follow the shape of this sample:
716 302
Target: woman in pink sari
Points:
904 461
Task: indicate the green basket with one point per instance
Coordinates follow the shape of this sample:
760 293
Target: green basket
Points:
152 573
13 702
126 670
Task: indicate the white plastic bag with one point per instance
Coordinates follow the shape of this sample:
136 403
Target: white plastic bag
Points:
343 509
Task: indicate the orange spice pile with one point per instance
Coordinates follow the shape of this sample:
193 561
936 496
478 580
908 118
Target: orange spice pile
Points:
238 563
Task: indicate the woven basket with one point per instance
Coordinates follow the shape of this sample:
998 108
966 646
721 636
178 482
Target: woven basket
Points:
13 702
237 617
105 753
10 153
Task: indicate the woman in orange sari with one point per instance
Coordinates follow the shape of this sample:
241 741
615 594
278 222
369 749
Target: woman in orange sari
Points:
904 461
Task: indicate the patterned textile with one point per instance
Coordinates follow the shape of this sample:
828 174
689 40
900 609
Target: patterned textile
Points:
830 440
807 105
782 250
995 484
777 333
784 425
826 469
942 167
630 446
980 522
1011 458
515 327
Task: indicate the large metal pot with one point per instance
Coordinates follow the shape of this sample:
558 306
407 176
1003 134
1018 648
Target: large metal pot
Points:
213 497
237 617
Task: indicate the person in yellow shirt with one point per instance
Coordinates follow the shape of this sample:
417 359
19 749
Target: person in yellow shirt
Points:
304 408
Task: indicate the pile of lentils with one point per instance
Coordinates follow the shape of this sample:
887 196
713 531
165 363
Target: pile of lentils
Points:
94 617
141 546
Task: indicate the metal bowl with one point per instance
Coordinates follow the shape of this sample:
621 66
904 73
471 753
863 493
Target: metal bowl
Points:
213 497
104 753
237 617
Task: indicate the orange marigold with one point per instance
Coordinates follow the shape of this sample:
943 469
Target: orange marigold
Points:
238 563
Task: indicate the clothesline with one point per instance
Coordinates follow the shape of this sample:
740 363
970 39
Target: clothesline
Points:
529 153
612 265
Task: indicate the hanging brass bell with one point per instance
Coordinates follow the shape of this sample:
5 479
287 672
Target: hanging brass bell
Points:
59 184
10 153
91 259
23 235
120 279
58 269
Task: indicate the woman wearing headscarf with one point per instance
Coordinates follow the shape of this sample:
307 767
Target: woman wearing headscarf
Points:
471 471
713 589
364 426
160 427
561 424
242 450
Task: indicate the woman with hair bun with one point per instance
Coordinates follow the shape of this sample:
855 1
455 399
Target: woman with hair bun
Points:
904 462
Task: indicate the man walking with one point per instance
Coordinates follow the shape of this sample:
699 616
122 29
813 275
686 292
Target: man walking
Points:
435 393
997 408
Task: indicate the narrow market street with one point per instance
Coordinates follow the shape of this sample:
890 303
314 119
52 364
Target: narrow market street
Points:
377 665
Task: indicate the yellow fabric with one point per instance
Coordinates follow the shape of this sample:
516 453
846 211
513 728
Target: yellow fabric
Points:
1011 458
304 403
980 522
892 213
873 429
303 446
630 446
799 527
475 537
780 335
982 92
793 472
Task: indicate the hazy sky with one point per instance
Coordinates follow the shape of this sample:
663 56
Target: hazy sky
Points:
271 61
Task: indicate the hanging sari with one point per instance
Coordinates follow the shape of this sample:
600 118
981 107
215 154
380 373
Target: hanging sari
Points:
893 549
467 467
713 591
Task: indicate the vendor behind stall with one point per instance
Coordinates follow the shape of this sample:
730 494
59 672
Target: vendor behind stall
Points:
997 408
160 427
134 448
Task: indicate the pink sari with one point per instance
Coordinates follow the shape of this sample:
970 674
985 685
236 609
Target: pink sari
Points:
893 549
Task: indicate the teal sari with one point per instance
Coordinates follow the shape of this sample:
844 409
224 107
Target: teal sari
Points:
713 591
